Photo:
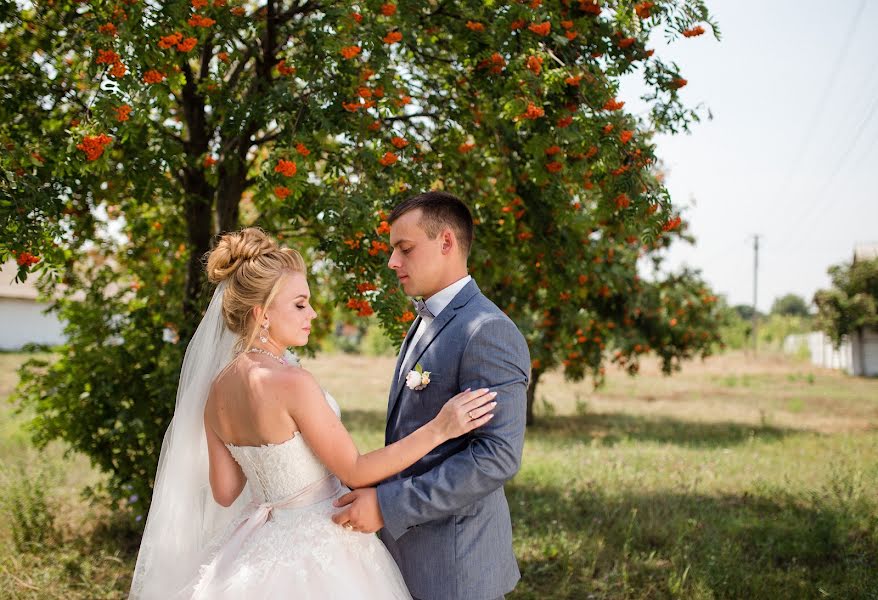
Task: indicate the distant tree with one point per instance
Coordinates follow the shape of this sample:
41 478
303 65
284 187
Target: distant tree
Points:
851 304
790 305
745 311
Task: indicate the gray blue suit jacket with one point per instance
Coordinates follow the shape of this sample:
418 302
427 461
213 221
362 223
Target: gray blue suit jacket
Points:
446 519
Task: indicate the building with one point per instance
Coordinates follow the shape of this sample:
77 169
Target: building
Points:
857 354
866 251
864 343
23 318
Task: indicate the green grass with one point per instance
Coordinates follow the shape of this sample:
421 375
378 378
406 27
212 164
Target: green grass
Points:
741 477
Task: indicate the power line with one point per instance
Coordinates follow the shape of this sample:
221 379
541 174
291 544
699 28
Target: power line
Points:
755 283
822 198
820 108
807 215
810 131
723 250
827 91
864 122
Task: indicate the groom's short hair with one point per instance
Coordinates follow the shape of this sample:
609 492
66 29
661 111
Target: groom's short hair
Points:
440 210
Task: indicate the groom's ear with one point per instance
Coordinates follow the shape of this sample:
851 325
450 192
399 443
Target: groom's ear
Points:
449 242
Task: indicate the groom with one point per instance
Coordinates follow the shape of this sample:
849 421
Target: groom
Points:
445 520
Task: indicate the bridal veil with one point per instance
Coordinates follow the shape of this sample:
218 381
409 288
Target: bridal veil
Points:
183 515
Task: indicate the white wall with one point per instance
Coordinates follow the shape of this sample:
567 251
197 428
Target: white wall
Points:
820 348
858 355
865 353
23 322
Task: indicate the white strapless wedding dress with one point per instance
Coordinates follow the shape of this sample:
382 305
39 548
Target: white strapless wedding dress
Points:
284 543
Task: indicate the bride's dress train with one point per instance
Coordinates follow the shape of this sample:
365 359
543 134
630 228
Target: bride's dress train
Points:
284 543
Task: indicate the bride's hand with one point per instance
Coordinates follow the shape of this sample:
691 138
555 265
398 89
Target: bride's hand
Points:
465 412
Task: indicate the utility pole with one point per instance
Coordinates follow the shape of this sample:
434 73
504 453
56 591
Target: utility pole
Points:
755 327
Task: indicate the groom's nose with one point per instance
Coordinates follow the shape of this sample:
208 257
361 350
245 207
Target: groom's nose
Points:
393 261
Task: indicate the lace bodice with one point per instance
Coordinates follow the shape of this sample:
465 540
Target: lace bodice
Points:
275 471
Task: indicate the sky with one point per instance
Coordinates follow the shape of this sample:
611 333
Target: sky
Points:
790 151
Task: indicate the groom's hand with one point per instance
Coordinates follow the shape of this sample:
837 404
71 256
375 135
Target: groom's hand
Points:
361 512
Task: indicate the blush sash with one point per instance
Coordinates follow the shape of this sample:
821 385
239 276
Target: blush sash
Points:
320 490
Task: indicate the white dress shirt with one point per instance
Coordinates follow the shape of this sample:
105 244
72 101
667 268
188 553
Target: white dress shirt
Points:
436 303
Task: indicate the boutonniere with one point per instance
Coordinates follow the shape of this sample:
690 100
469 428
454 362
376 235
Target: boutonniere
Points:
417 379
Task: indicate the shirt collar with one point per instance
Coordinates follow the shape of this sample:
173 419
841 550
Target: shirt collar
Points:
438 301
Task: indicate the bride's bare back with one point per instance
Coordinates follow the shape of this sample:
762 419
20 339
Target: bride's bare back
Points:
242 408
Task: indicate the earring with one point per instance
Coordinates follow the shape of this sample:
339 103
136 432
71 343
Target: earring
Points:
263 335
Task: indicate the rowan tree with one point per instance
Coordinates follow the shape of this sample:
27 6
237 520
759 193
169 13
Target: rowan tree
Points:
137 131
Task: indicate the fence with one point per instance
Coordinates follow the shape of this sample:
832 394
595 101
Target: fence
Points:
821 350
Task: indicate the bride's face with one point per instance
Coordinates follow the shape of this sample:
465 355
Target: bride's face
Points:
290 313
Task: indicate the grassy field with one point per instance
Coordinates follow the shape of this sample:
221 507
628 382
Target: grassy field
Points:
740 477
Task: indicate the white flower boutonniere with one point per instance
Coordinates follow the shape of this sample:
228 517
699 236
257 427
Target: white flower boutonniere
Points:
417 379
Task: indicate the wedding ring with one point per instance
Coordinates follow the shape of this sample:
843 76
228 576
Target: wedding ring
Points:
348 526
470 415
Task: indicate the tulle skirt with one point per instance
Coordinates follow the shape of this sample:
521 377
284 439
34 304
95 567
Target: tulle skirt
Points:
298 552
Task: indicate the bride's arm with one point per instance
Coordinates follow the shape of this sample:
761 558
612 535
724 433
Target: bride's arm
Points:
226 477
332 443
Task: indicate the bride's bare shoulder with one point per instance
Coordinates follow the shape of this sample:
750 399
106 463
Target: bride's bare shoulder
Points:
289 382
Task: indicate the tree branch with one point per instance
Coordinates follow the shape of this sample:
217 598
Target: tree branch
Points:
206 55
267 138
412 116
304 9
416 50
64 93
232 81
193 110
170 135
440 9
268 58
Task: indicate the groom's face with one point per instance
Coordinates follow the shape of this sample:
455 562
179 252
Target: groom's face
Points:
417 260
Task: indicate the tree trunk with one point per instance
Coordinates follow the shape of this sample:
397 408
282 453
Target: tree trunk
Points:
532 394
198 229
232 181
198 202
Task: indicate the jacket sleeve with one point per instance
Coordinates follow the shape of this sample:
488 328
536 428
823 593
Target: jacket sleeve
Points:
495 357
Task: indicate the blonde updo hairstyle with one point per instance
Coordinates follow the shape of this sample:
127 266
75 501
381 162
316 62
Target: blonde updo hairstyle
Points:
252 264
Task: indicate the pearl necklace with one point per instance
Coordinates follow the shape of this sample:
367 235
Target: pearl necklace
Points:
267 353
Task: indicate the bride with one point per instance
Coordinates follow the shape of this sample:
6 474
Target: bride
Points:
256 453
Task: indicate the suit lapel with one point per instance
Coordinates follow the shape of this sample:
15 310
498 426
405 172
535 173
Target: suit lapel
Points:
434 329
394 386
